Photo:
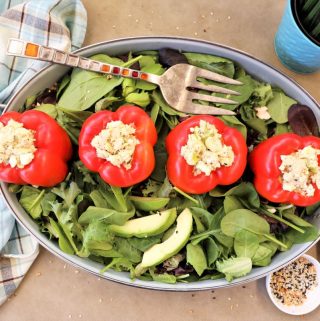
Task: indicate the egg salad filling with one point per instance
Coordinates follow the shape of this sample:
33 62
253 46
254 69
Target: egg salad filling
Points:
205 150
300 171
17 146
116 143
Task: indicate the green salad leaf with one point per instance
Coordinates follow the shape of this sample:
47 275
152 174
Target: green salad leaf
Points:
234 229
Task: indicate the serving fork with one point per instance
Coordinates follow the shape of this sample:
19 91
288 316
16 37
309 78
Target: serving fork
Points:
178 84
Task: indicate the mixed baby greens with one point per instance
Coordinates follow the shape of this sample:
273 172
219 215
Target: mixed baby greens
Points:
234 229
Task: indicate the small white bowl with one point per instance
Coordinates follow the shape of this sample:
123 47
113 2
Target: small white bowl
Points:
313 296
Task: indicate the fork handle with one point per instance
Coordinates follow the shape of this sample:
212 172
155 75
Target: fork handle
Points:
26 49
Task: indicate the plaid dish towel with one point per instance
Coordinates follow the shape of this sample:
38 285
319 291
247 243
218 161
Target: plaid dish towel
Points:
57 23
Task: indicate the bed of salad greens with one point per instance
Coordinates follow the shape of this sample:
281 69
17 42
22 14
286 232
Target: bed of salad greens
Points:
234 229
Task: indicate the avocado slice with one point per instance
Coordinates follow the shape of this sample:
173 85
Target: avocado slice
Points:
171 246
146 226
149 203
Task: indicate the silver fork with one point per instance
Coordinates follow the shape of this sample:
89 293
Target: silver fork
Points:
175 83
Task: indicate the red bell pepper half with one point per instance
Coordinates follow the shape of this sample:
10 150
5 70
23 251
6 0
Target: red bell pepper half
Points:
181 174
265 162
53 150
143 159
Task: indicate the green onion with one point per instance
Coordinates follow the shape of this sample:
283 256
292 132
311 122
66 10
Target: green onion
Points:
310 17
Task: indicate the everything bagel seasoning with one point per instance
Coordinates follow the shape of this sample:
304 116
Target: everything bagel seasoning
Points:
291 284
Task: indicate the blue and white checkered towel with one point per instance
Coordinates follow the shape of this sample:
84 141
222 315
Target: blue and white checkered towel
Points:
56 23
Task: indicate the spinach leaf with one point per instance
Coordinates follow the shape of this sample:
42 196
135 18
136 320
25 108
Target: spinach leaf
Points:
142 244
231 203
106 215
212 250
243 193
245 90
222 66
282 129
234 267
197 258
310 234
158 99
243 219
63 84
106 103
295 219
163 277
87 87
124 247
49 109
279 105
63 241
67 219
262 256
141 99
98 199
310 210
246 243
30 200
149 65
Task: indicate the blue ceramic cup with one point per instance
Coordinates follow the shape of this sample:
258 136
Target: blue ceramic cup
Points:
294 49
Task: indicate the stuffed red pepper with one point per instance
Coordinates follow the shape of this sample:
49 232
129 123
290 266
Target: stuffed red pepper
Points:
119 145
34 149
286 169
203 152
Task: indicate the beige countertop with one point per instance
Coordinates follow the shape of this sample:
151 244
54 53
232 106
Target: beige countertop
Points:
54 290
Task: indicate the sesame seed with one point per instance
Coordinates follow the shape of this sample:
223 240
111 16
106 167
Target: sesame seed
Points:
291 284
